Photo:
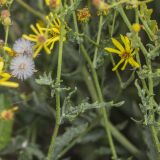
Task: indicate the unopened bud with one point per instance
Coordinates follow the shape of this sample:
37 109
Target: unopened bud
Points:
102 7
96 2
53 3
136 27
5 14
2 2
7 21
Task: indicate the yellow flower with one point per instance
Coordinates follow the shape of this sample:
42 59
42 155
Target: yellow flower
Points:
45 37
40 37
53 29
125 52
83 15
8 114
4 77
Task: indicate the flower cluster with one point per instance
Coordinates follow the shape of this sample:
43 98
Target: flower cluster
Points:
22 65
45 37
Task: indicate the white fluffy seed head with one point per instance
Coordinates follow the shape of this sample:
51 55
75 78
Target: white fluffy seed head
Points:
22 67
23 46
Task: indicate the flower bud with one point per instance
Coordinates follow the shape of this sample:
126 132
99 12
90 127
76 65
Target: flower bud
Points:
5 17
7 21
5 14
96 2
8 114
136 27
100 5
53 3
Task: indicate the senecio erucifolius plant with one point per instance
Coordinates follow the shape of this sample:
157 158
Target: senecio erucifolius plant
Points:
79 80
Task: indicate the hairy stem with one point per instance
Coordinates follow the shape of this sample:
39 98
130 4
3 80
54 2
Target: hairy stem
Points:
58 109
98 40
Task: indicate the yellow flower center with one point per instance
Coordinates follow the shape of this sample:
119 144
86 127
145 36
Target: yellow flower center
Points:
126 55
41 39
83 14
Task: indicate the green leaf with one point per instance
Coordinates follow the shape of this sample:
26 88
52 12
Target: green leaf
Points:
70 112
64 140
45 79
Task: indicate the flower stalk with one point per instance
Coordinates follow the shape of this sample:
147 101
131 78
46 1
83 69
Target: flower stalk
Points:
58 104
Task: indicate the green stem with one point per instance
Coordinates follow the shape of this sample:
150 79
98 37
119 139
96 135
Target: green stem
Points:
137 55
98 41
58 109
148 30
6 35
30 9
90 40
89 83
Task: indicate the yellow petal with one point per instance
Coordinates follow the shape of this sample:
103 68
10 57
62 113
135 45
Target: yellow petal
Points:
118 45
133 63
47 49
126 42
29 38
52 45
56 30
125 64
117 65
1 64
5 76
39 28
47 2
37 51
112 50
9 51
34 30
9 84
